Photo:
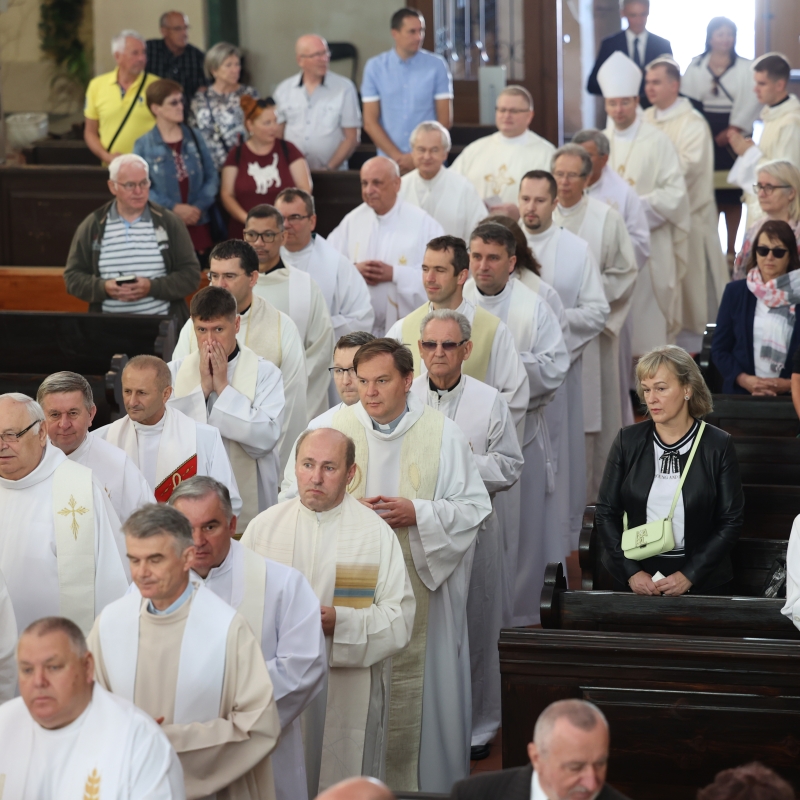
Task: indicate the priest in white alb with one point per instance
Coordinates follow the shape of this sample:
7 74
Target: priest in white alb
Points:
385 238
446 195
280 607
8 644
268 332
190 661
687 129
445 345
648 161
60 545
355 565
569 266
66 736
342 286
68 404
229 387
166 445
604 231
540 343
496 163
414 468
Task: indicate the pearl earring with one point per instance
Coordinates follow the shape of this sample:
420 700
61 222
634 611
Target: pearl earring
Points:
686 397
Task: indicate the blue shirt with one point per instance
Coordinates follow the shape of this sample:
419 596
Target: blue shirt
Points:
407 91
187 593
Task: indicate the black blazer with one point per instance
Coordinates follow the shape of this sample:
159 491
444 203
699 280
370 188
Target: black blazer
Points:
656 46
732 346
712 498
510 784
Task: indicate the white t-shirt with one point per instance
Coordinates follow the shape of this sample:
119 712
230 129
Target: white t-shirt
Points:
762 364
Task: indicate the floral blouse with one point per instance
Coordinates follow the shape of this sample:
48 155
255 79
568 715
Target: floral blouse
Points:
220 120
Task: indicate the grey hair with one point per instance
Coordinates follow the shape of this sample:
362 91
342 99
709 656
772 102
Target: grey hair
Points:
123 161
593 135
63 382
35 412
447 314
217 54
580 713
118 42
201 486
162 20
155 519
573 150
685 369
787 173
45 625
429 127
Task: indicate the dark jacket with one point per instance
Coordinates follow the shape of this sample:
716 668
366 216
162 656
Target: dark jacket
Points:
656 46
712 499
82 274
510 784
732 346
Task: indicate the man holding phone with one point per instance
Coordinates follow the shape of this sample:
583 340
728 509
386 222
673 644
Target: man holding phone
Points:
132 256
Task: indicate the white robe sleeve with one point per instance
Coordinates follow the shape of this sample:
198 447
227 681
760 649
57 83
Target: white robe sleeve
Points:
295 385
638 229
183 347
501 466
298 667
364 636
447 525
318 350
352 302
8 645
507 374
791 608
589 316
337 238
619 270
215 463
547 362
668 202
135 491
110 573
155 771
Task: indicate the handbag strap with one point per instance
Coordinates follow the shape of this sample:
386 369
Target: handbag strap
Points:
686 471
130 111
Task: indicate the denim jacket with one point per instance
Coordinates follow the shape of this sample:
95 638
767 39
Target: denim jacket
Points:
164 189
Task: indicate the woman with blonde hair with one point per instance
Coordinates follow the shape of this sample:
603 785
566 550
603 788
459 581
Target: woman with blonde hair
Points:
676 473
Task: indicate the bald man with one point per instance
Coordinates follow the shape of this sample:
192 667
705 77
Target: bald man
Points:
358 789
318 110
385 238
173 57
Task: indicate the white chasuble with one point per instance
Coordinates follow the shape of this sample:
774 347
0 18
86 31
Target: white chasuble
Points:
707 271
647 159
397 238
124 483
448 197
111 751
354 562
495 164
60 545
272 335
8 645
283 612
248 414
293 292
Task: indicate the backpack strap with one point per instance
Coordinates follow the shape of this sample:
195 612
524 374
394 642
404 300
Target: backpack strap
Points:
130 111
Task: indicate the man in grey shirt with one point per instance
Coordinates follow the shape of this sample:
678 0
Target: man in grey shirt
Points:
318 109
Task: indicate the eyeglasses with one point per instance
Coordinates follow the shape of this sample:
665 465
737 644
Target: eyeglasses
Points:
768 188
448 347
10 438
570 176
130 186
296 217
764 251
340 372
512 110
253 236
177 27
318 54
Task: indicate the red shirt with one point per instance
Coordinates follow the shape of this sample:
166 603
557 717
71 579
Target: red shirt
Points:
260 178
200 234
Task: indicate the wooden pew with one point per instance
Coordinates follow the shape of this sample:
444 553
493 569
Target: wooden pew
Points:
680 708
744 415
768 460
688 615
36 289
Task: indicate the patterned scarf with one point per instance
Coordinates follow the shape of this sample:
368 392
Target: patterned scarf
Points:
781 294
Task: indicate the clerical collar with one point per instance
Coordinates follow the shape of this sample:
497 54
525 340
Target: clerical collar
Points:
521 139
67 730
442 392
245 310
391 213
154 428
187 593
568 212
542 235
279 265
390 426
498 294
234 353
661 113
629 132
780 102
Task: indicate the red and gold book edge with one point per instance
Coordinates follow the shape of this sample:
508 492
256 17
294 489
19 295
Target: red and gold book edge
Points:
185 471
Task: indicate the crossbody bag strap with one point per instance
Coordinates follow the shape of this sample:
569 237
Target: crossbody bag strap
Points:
686 471
130 111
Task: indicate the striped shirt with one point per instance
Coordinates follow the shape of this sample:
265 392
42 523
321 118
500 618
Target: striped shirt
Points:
131 248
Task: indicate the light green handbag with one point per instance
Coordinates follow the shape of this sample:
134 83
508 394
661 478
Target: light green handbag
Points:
654 538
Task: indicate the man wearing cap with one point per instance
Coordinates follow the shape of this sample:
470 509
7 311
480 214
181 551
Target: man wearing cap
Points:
648 161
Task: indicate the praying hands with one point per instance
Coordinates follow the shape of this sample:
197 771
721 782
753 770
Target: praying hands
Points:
213 368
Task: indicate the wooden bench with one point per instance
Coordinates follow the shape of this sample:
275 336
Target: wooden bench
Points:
688 615
680 708
768 460
744 415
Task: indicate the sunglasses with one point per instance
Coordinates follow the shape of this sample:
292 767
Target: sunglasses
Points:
764 251
446 346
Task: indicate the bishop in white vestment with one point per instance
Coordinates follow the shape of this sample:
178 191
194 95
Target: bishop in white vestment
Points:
355 565
60 545
385 238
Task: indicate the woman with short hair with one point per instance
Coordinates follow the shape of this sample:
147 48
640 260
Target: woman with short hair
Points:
643 474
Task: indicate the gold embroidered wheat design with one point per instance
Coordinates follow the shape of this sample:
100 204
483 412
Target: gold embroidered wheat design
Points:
92 789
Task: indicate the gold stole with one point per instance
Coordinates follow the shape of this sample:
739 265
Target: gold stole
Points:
245 377
484 327
73 520
418 473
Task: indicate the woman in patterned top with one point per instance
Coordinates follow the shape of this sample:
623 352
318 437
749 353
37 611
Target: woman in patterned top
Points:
216 111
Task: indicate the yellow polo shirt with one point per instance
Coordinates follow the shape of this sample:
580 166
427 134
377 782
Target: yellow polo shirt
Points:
106 104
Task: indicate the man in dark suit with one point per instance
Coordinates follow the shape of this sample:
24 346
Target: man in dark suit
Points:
636 42
569 756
